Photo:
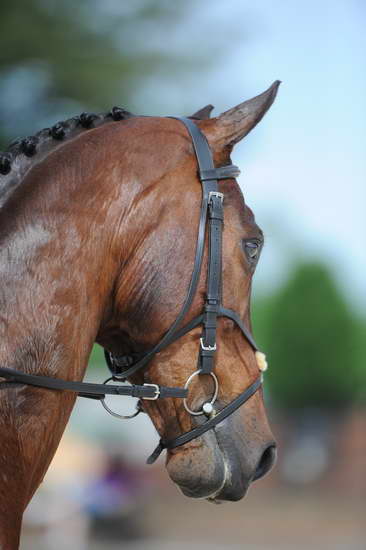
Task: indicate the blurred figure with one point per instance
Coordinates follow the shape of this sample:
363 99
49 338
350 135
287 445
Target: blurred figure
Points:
115 501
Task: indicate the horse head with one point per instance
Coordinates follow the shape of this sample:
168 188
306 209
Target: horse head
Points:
154 244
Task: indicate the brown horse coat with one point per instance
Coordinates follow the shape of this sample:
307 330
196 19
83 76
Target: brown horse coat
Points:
97 239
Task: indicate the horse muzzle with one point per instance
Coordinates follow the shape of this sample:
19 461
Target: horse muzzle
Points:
221 464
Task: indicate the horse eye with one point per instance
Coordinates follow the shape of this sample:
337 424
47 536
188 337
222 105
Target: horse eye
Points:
252 250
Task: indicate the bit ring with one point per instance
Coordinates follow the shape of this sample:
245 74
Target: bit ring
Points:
214 397
117 415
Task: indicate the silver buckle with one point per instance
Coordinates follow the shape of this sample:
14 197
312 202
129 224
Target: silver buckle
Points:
157 392
216 194
207 348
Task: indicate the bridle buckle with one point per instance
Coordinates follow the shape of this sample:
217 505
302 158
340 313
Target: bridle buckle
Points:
157 392
207 348
216 194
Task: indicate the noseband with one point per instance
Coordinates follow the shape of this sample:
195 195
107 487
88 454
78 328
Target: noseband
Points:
123 367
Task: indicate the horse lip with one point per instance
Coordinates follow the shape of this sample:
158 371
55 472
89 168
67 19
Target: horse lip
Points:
215 494
211 497
212 493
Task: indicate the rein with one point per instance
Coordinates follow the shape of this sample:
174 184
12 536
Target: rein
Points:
122 367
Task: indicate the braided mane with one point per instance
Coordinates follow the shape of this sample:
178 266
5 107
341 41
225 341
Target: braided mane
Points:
23 152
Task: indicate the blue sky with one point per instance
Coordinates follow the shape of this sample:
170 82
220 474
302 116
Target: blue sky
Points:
304 166
308 159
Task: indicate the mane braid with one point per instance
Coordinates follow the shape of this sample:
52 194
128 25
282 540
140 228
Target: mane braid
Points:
21 150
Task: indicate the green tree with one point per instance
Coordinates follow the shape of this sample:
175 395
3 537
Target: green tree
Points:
61 58
313 342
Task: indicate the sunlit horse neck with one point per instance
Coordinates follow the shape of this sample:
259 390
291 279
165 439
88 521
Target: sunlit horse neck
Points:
97 240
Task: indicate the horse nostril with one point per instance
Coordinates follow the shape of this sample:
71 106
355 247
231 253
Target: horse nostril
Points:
266 461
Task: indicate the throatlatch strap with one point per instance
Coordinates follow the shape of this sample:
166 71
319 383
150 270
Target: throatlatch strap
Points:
169 336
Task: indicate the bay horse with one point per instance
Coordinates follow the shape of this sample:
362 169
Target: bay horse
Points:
99 219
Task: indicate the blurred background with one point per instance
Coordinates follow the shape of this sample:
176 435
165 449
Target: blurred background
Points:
303 174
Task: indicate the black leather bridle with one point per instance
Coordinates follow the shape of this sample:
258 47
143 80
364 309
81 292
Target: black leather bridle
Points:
123 367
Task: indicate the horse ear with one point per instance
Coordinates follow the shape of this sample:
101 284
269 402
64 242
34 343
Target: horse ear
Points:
231 126
203 113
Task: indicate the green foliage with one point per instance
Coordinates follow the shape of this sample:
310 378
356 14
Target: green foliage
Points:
84 49
96 359
58 58
313 342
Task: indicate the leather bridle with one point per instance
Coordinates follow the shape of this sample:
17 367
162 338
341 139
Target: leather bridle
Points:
123 367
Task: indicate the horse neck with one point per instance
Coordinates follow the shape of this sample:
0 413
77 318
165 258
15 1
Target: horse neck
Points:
64 234
55 272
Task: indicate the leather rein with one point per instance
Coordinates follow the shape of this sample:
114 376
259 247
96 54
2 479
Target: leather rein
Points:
122 367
